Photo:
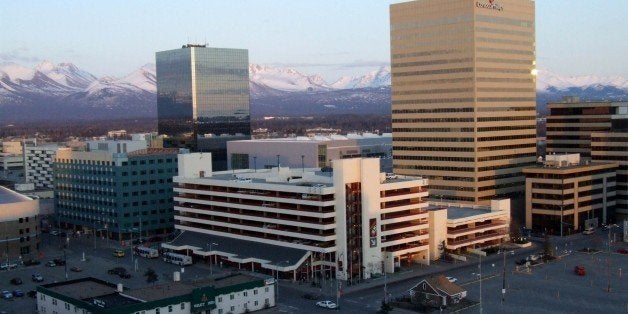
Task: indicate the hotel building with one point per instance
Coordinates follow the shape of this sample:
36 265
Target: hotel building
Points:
301 222
203 98
563 191
463 96
39 165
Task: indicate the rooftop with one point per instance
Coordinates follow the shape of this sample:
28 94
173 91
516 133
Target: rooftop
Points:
8 196
240 249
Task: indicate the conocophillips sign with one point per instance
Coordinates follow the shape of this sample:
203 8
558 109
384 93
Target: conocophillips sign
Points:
489 5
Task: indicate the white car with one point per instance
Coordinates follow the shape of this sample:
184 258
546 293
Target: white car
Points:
326 304
452 279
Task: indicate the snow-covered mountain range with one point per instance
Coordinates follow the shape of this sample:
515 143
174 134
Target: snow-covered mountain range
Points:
50 91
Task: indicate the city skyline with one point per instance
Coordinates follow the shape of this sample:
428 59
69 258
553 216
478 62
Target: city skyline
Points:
333 39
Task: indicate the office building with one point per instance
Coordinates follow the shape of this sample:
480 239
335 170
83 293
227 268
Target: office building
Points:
121 194
203 98
306 224
19 226
463 96
237 293
563 190
39 165
613 147
309 152
457 228
571 122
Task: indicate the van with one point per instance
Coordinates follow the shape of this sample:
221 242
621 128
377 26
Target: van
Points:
118 253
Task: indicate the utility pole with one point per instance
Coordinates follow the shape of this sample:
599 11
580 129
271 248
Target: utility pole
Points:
504 277
480 271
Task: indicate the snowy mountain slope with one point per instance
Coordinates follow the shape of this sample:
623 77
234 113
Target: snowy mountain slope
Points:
63 91
548 80
377 78
286 79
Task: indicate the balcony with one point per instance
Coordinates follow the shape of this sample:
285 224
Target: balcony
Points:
457 243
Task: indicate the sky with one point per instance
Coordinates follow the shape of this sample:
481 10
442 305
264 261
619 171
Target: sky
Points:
328 37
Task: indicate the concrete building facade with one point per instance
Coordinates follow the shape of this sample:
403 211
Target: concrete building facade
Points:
309 152
20 234
463 96
458 228
119 195
349 222
565 191
39 165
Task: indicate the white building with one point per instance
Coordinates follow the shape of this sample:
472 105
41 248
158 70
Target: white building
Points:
39 164
309 152
116 146
464 227
230 294
302 222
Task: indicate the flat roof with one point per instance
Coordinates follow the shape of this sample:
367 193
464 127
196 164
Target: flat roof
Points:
241 249
455 212
177 288
8 196
82 289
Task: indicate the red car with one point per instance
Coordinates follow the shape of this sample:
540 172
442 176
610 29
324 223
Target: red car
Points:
623 251
580 271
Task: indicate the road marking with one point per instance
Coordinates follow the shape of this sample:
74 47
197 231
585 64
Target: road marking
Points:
352 301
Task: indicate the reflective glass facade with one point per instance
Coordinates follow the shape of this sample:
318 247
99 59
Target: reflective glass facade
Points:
202 93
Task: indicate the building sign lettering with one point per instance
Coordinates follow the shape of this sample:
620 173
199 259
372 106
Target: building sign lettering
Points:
489 5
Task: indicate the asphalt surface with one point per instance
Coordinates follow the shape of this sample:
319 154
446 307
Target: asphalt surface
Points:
548 288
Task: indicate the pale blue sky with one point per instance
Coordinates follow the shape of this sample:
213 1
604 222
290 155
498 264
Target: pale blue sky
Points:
330 37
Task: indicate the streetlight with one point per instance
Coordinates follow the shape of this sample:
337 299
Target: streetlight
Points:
302 163
278 163
211 271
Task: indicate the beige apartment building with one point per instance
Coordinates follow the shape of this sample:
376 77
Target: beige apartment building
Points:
463 96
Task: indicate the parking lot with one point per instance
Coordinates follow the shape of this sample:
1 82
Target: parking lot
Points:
96 264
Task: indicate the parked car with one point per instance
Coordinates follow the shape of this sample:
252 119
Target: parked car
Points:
18 293
452 279
16 281
31 294
8 265
54 232
522 261
326 304
59 262
76 269
118 253
580 270
31 262
622 251
37 278
51 264
6 294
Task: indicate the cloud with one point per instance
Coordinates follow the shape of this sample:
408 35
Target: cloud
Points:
20 54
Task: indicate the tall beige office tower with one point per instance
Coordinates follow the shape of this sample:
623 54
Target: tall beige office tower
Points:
463 95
